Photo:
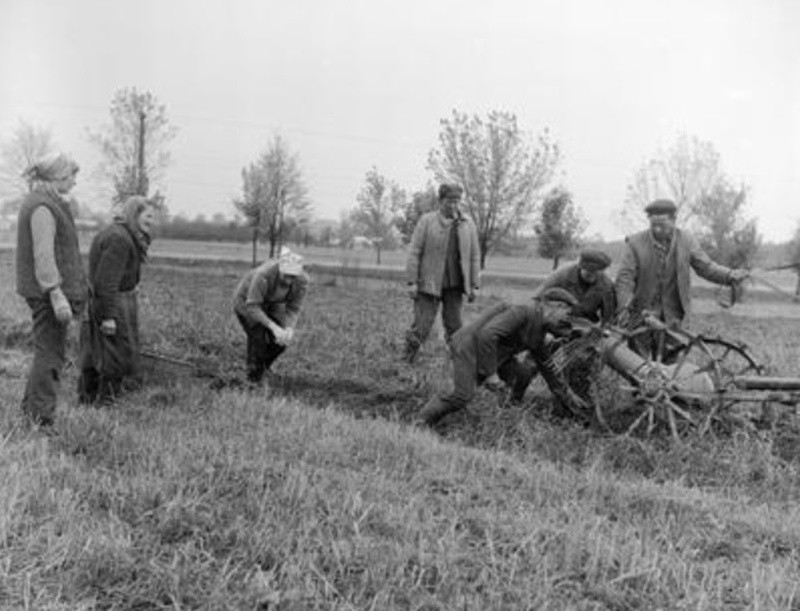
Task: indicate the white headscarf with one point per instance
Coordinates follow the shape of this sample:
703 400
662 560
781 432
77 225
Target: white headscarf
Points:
53 167
290 263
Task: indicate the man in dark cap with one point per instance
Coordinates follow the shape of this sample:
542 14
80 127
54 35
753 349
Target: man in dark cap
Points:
443 266
655 273
587 281
490 344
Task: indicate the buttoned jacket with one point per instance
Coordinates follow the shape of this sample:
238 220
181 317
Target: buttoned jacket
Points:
637 283
428 252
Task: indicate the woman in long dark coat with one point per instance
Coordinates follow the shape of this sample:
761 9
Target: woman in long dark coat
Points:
110 332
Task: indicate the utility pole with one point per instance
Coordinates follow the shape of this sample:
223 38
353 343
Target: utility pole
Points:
142 179
279 216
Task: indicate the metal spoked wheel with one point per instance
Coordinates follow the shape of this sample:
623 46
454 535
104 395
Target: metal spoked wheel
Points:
732 360
667 391
656 379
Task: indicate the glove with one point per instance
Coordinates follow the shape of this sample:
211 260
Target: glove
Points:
738 275
108 327
281 335
61 307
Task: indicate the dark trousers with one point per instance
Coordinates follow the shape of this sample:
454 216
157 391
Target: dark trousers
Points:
465 383
425 309
94 387
262 349
49 355
466 380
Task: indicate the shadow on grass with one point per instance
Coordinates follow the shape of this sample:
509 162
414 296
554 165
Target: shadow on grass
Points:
363 400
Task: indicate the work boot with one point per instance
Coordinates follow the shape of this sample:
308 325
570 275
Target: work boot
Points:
435 409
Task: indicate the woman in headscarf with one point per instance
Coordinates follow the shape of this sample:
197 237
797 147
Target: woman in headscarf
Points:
50 277
267 303
110 332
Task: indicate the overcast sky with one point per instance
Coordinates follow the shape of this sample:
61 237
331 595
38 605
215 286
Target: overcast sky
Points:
356 83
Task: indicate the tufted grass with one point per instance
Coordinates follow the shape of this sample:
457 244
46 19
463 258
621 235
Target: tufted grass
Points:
317 494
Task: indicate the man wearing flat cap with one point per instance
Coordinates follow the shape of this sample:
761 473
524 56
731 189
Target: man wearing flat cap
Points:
588 282
489 345
655 273
443 266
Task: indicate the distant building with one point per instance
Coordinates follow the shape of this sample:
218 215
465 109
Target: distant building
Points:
360 241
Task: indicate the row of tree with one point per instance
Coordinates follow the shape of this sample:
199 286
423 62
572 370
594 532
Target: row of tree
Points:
510 180
505 177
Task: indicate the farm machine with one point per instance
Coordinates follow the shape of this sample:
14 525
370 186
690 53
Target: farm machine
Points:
684 383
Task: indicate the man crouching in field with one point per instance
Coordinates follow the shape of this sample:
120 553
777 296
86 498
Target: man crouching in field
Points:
490 344
267 303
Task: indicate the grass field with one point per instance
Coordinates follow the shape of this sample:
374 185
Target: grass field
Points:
196 494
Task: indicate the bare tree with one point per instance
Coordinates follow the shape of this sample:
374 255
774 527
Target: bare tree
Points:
725 233
27 144
503 174
134 147
380 203
253 203
690 173
273 192
420 203
684 173
560 227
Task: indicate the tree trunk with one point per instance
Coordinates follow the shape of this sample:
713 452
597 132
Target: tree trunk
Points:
378 248
483 257
797 286
555 262
255 243
272 241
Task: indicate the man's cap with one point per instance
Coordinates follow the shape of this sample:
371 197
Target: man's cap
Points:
594 260
560 295
290 263
661 206
450 190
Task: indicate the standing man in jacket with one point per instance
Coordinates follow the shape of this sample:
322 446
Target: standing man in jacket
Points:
50 277
655 273
443 266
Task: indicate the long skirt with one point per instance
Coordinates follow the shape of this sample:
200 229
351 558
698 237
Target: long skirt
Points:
107 360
